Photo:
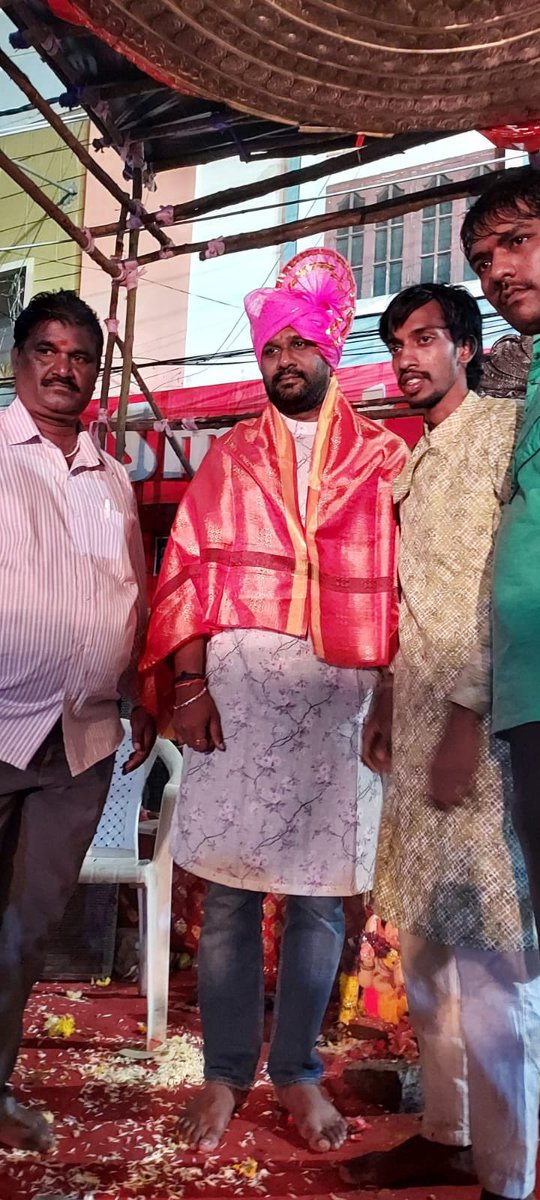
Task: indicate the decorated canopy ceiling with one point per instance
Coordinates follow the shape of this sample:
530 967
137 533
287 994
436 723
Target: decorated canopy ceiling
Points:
366 66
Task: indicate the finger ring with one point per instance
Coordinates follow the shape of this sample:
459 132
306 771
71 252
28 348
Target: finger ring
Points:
199 741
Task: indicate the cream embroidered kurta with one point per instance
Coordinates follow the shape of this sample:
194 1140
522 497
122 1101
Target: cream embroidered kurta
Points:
458 877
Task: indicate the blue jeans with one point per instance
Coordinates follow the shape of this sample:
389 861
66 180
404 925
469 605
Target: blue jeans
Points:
231 985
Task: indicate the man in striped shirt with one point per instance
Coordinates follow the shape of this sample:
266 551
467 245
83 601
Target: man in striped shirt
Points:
72 613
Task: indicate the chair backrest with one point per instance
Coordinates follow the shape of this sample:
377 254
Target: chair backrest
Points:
117 832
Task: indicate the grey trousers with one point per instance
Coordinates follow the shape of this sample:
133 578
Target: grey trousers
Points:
47 821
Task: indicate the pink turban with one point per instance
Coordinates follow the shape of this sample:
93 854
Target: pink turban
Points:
315 294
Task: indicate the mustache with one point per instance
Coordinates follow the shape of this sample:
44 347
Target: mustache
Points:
64 381
288 373
403 375
509 288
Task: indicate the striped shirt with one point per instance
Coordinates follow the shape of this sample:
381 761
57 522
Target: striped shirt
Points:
72 594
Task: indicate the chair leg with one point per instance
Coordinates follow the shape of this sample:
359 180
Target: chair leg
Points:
142 901
158 900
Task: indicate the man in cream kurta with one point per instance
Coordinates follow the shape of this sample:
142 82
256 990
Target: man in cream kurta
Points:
437 873
450 871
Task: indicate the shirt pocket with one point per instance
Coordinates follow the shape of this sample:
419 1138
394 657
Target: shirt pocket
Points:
99 532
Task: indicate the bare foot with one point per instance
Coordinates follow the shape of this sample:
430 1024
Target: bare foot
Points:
23 1128
316 1119
415 1162
206 1118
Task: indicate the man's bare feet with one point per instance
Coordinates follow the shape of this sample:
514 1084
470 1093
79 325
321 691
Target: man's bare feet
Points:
316 1119
206 1118
23 1128
417 1162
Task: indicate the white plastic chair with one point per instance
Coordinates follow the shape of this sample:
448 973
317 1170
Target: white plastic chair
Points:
113 857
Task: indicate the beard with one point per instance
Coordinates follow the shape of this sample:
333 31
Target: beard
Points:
432 400
305 397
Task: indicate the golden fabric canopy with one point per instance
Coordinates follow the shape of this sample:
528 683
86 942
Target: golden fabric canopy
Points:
353 65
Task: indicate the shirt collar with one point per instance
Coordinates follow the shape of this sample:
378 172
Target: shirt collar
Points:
447 432
88 455
449 429
20 429
18 425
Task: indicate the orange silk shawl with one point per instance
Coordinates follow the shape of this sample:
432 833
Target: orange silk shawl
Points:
239 557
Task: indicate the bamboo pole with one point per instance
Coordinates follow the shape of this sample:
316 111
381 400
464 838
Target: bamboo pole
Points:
92 92
368 214
279 146
148 425
228 197
20 79
111 335
129 332
39 197
379 412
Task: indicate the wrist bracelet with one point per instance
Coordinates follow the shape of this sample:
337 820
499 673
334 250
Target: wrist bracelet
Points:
190 682
185 703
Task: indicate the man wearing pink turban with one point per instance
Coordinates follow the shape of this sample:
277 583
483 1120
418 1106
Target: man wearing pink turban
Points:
275 604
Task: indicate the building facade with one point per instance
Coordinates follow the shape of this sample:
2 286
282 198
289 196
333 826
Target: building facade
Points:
35 254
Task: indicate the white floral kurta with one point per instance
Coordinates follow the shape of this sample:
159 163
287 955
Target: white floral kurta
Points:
288 807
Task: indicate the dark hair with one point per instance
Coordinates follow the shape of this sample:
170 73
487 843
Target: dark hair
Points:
506 199
58 306
461 314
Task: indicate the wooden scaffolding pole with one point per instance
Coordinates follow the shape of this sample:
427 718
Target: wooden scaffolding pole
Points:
369 214
129 332
77 235
378 412
27 88
201 205
158 415
111 333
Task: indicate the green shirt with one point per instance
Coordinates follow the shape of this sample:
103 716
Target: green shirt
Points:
516 577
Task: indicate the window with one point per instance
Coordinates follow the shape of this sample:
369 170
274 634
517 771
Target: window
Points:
436 252
422 245
12 284
388 255
350 239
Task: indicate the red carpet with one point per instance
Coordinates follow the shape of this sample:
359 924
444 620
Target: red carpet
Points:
117 1138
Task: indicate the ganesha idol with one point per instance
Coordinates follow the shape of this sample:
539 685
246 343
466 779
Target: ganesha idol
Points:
375 987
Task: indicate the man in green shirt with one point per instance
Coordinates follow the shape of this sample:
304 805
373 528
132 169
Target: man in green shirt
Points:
501 239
